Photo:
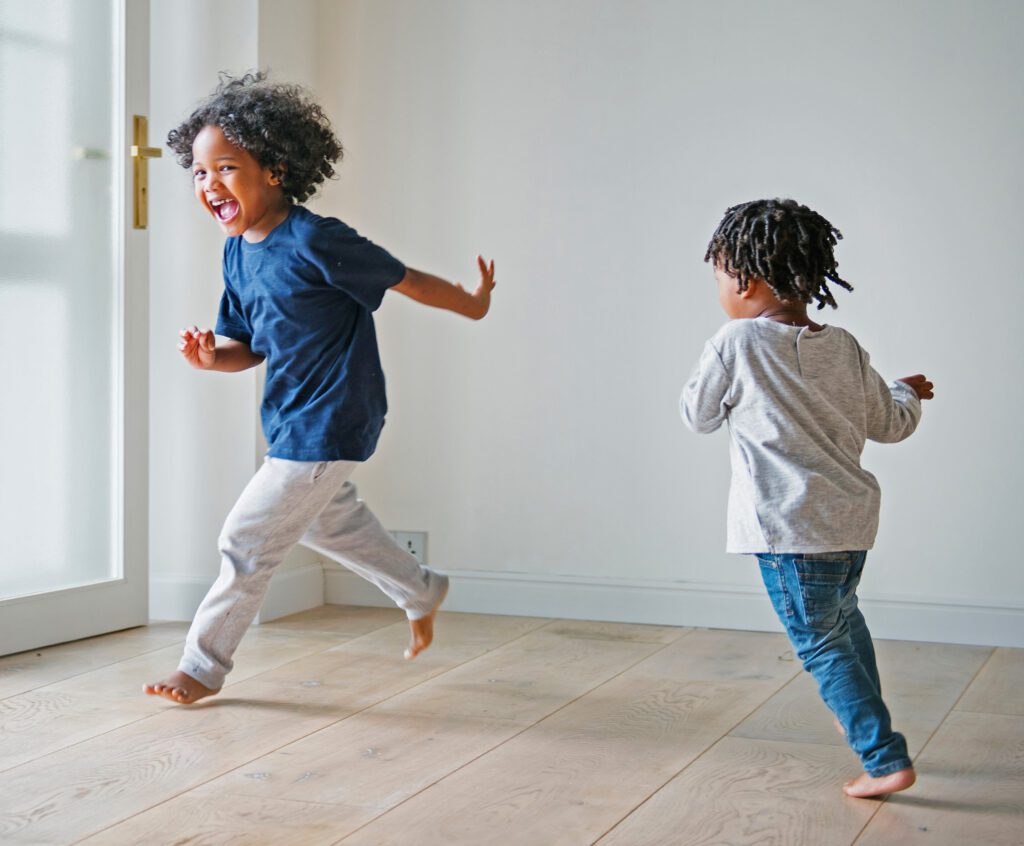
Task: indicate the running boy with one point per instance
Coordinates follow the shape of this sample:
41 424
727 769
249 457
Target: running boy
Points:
299 292
800 400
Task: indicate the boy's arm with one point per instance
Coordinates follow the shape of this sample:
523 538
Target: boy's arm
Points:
703 403
437 292
893 410
200 349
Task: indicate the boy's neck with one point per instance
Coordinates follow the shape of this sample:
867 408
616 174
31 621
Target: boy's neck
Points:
274 216
765 304
792 314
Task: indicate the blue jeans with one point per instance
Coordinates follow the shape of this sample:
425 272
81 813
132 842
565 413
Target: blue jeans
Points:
815 596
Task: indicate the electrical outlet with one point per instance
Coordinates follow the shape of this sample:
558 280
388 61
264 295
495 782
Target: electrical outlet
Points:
415 543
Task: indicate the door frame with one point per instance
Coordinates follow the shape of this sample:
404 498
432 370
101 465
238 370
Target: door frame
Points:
35 620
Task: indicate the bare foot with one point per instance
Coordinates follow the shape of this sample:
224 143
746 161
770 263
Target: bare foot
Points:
179 687
865 785
839 727
423 630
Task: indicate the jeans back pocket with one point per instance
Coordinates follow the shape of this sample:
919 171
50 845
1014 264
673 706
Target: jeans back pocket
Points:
823 583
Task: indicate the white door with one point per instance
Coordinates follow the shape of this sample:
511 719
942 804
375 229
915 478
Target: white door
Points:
73 321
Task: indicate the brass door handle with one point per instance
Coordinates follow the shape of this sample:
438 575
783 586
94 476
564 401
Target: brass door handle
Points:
140 152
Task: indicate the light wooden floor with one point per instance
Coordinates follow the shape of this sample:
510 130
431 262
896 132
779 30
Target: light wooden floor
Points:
510 730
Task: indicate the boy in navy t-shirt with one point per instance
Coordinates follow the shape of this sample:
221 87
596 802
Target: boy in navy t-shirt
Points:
299 292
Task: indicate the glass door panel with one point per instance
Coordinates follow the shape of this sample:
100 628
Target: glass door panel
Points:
68 78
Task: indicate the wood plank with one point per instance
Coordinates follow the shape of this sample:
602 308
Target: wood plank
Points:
572 776
970 788
91 703
49 718
37 667
920 682
90 786
747 791
999 687
207 816
597 630
382 756
344 620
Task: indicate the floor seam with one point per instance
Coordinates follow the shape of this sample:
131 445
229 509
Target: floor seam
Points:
309 733
157 713
91 669
924 746
509 739
696 758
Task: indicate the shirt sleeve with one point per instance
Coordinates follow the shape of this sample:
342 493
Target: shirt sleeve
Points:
893 410
231 322
704 403
353 263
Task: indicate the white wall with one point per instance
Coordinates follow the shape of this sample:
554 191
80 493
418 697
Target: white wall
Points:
205 441
591 148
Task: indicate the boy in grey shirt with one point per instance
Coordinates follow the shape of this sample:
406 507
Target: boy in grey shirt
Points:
800 400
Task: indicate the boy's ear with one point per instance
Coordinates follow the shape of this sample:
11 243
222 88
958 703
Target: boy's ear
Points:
277 173
754 284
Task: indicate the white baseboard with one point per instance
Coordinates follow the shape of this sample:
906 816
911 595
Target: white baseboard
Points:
292 590
176 597
688 604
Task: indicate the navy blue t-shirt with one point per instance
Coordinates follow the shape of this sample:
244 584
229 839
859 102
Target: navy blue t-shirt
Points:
303 298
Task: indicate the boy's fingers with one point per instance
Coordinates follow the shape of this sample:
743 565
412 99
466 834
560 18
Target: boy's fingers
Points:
487 269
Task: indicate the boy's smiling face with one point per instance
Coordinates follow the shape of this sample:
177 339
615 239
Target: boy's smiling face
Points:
244 197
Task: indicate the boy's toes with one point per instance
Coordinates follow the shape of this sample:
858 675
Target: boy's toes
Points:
179 687
416 646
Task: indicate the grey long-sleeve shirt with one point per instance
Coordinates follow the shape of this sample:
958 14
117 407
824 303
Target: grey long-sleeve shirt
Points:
799 405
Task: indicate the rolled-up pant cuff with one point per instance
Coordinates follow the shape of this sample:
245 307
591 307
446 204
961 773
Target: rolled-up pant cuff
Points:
888 769
207 678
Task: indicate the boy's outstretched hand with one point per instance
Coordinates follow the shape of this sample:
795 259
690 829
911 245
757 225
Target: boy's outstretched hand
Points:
482 294
437 292
198 348
921 386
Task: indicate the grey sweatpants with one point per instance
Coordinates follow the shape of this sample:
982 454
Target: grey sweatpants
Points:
285 503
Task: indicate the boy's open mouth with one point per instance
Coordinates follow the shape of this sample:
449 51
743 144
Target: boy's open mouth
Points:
225 210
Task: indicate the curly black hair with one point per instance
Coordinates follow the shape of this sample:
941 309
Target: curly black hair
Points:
278 124
786 244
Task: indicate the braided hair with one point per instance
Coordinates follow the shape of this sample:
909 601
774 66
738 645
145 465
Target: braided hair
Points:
278 124
786 244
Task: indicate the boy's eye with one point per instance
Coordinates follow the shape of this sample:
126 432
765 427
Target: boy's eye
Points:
197 173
